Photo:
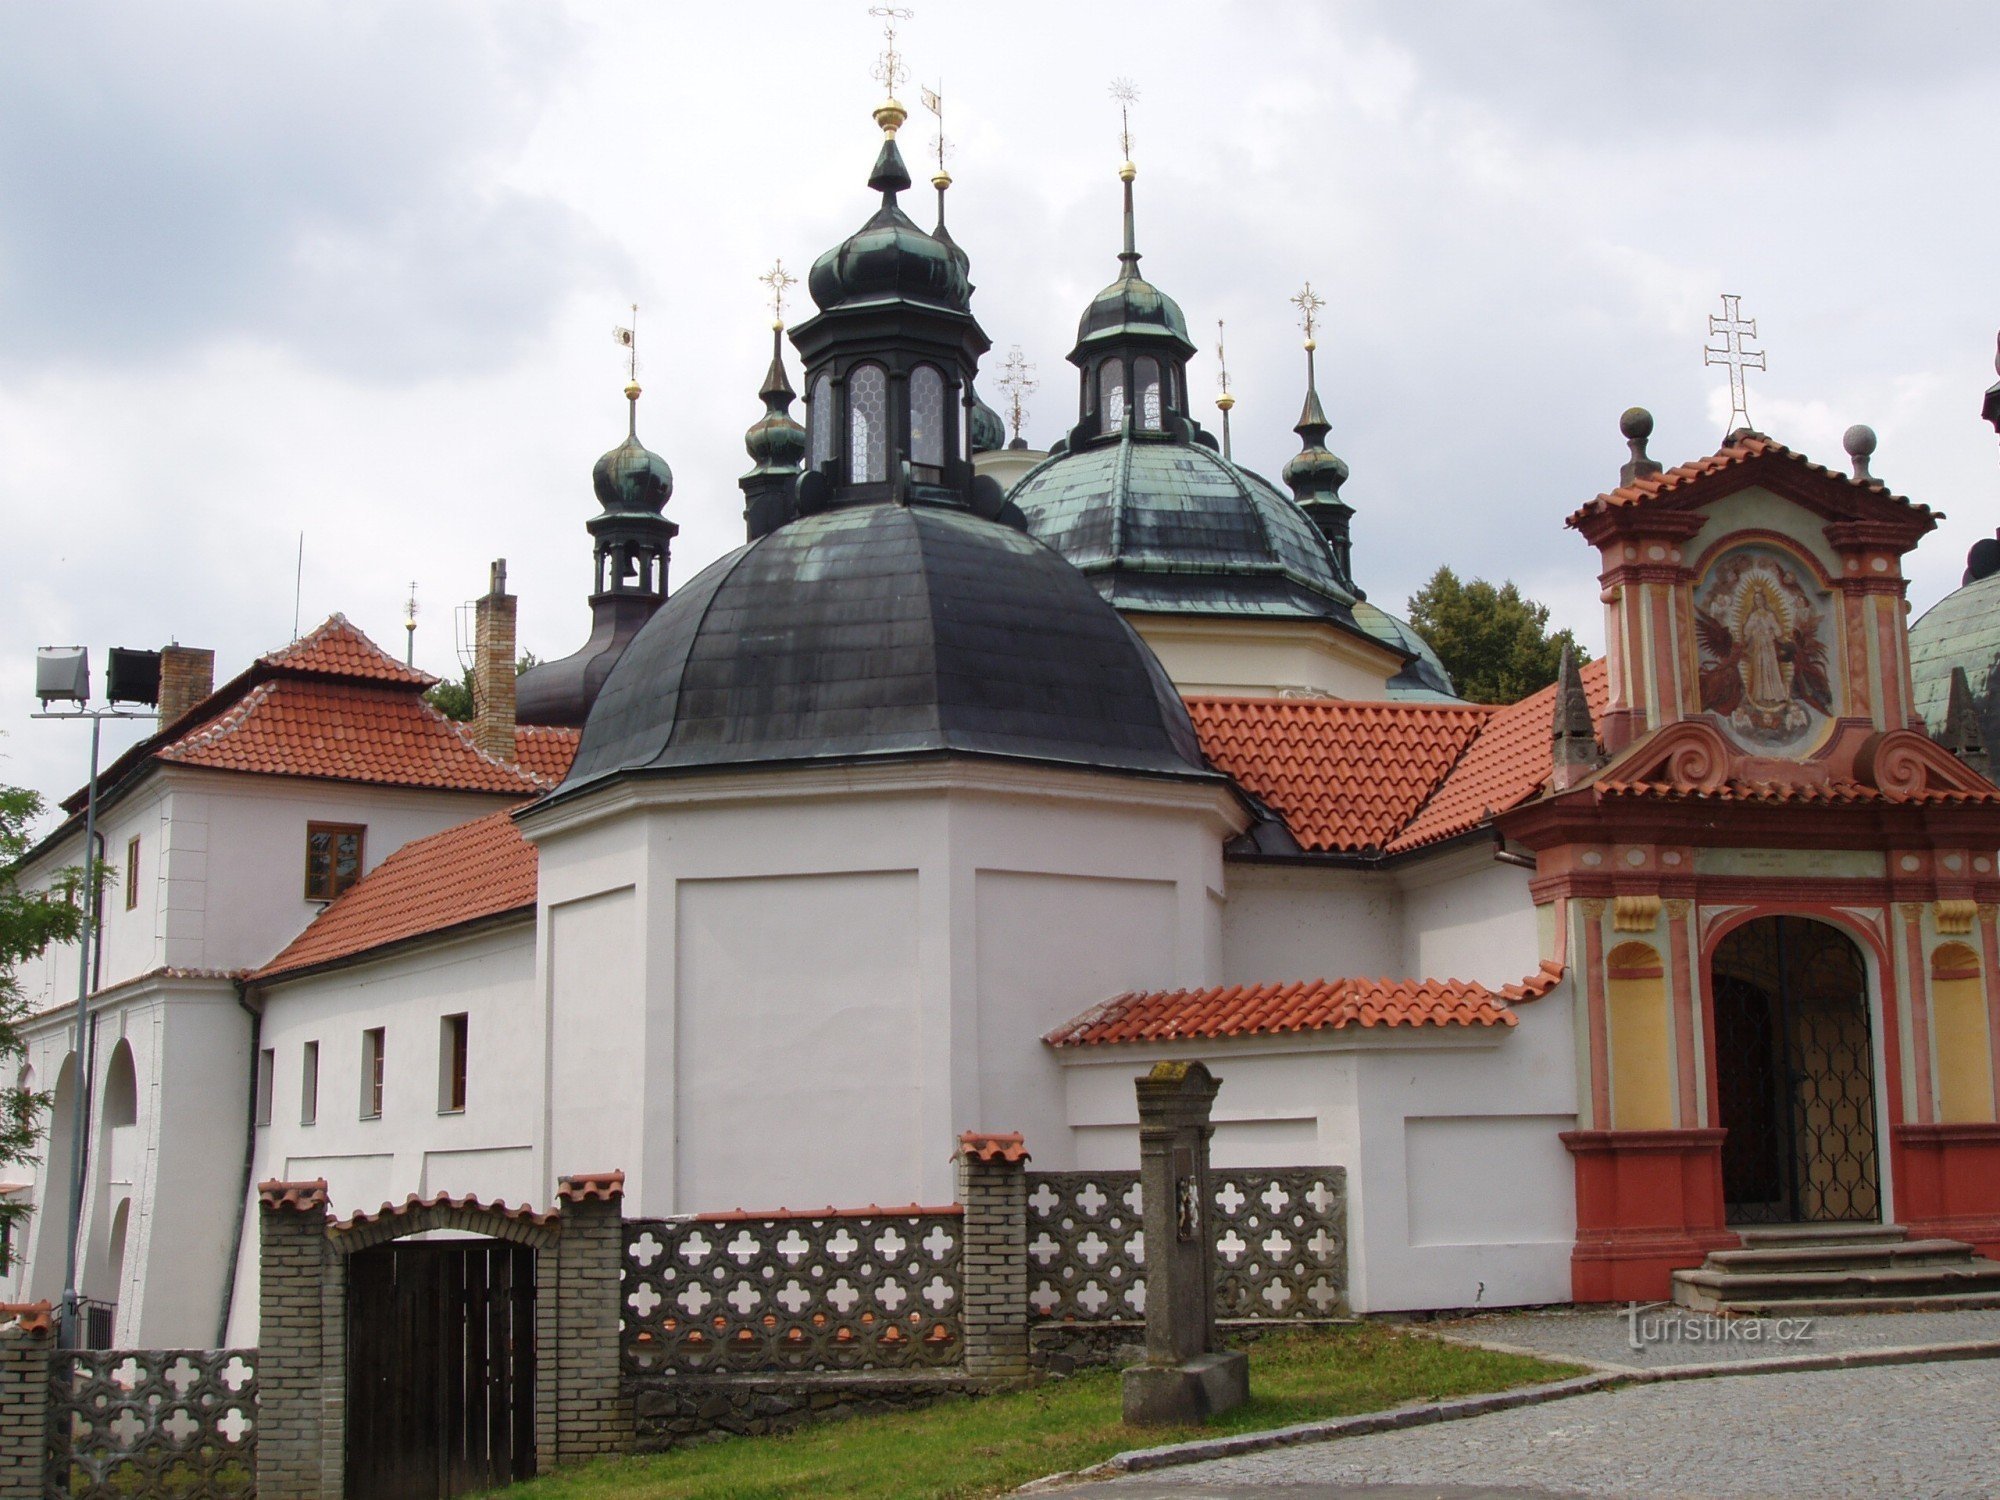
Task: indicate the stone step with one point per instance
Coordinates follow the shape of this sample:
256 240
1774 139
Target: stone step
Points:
1827 1307
1713 1290
1780 1236
1845 1254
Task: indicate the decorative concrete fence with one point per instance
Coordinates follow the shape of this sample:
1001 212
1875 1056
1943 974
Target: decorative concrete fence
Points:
179 1422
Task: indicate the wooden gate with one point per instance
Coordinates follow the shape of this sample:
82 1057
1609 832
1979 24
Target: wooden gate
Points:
440 1368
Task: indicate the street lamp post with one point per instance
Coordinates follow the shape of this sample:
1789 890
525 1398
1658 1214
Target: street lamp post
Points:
62 675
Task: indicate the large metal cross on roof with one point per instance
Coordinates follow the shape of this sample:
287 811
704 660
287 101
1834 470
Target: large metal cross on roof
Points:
1734 328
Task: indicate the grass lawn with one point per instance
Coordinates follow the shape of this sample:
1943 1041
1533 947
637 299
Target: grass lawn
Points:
984 1446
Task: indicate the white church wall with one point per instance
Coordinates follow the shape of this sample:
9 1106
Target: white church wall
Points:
1289 922
1264 658
835 971
1466 915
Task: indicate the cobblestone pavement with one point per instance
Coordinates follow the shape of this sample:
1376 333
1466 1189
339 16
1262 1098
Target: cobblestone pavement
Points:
1674 1336
1895 1431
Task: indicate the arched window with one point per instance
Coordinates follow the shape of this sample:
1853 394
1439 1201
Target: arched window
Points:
819 412
927 417
867 425
1146 378
1111 395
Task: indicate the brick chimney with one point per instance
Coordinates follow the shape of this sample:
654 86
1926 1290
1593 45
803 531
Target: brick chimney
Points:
187 675
493 668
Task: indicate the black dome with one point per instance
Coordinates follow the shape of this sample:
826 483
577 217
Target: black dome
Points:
887 630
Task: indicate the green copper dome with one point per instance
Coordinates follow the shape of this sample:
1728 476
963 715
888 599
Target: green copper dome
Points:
889 259
989 433
1960 630
1423 679
1131 305
632 479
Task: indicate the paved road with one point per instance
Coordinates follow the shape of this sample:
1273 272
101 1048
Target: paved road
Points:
1898 1431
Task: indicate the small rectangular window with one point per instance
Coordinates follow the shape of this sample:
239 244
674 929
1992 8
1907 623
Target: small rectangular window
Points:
267 1062
132 872
309 1085
371 1073
451 1064
333 858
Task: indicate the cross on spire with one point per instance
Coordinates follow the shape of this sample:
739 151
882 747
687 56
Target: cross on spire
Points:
778 279
1734 328
889 69
1309 302
1017 379
1127 95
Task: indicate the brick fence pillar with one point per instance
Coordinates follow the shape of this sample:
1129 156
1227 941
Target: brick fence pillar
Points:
301 1346
993 1294
582 1409
25 1344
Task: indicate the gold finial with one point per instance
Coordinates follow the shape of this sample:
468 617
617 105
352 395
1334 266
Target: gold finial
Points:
628 340
889 69
1017 379
1309 302
934 102
778 279
1123 91
1225 402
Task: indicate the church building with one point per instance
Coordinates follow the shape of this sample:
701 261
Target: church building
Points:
977 781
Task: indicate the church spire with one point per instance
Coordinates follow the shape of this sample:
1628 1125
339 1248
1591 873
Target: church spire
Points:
775 441
1575 749
1314 474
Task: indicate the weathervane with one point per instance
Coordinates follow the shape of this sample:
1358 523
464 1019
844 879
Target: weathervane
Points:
889 69
1309 302
628 340
1734 328
778 279
1224 401
1126 95
934 102
1017 379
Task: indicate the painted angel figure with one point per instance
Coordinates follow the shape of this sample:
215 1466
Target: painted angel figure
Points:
1790 666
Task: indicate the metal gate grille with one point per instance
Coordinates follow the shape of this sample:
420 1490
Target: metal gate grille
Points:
1795 1069
440 1368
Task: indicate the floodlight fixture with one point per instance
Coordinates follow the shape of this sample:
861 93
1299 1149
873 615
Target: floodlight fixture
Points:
133 677
62 675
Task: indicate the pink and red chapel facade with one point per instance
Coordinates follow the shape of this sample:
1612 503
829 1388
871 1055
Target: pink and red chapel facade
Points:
1778 895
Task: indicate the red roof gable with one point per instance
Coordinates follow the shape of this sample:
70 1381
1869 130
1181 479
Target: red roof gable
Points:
1300 1005
1344 776
477 870
1506 764
339 649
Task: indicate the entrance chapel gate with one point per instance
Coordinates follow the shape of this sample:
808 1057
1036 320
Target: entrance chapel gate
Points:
1795 1075
440 1368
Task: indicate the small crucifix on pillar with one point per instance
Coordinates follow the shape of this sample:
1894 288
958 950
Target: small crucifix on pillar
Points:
1733 328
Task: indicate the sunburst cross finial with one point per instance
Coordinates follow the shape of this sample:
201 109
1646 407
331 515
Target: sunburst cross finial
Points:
1309 302
1127 95
779 280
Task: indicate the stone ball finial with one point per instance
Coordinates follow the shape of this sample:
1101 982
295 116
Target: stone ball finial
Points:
1637 425
1859 441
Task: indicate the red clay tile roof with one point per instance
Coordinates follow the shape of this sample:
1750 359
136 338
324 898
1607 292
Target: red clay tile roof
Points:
339 649
1832 793
479 869
344 731
588 1187
297 1197
1506 764
544 751
30 1317
1744 449
470 1203
1300 1005
990 1146
1344 776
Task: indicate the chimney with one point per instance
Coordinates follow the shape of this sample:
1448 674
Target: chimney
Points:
187 676
493 668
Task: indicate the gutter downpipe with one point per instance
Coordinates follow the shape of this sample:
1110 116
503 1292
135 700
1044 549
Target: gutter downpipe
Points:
256 1015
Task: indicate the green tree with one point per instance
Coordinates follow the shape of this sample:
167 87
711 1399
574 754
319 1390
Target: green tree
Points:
454 699
30 920
1495 643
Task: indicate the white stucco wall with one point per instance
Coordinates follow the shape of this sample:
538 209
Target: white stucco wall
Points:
1466 915
833 972
1262 657
1298 922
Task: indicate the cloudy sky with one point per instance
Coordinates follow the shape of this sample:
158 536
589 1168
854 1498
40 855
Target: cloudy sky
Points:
350 270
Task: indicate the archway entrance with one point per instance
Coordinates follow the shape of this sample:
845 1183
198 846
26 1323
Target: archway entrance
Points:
1795 1076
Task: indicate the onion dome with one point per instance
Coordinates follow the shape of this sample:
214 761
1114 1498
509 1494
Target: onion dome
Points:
1314 475
776 440
886 631
1131 307
889 258
632 479
989 432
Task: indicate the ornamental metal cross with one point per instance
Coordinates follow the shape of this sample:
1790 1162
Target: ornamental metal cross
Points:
1017 379
1734 328
889 69
1127 96
1309 302
778 279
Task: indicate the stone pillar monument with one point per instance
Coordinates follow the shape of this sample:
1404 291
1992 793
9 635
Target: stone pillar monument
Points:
1184 1378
